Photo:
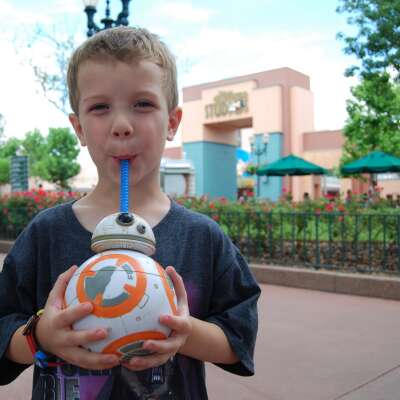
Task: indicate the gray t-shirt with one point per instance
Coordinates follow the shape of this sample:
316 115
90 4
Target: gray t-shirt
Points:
219 284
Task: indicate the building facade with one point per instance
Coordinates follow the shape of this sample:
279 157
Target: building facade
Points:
278 106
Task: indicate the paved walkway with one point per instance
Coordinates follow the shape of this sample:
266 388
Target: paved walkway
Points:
311 346
319 346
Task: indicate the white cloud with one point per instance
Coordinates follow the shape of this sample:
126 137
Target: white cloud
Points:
68 7
20 103
19 16
185 12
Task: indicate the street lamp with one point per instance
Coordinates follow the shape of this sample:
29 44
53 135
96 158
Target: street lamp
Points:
91 8
259 148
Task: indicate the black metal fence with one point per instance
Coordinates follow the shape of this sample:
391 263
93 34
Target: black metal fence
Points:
352 242
356 242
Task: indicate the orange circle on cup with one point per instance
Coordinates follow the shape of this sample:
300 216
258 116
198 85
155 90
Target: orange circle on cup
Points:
131 294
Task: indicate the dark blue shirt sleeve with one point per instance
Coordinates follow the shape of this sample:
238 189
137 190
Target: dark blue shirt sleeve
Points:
15 310
234 306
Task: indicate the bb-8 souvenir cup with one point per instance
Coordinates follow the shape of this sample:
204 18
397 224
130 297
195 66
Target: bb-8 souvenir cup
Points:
128 289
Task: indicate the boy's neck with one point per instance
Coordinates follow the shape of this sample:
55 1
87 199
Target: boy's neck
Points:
139 198
152 205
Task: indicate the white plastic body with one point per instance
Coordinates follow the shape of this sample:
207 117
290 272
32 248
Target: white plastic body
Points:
129 291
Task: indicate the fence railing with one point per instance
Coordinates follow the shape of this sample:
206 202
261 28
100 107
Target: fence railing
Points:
352 242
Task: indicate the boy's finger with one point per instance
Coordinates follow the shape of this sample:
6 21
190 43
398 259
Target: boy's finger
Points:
86 359
61 283
84 337
72 314
142 363
176 323
179 286
168 346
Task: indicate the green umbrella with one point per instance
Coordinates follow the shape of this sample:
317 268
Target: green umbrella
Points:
291 165
373 163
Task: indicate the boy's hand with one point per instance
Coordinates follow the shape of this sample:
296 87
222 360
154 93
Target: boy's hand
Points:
55 334
181 328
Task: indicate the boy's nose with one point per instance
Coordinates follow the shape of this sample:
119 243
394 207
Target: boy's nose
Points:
122 127
122 133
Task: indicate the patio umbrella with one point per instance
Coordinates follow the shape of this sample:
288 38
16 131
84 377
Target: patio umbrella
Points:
373 163
291 165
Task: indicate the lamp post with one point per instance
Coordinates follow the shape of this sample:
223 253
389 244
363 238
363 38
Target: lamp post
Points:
258 148
91 9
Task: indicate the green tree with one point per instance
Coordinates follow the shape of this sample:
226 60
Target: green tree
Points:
60 159
7 150
373 118
377 42
9 147
34 145
52 158
374 111
4 171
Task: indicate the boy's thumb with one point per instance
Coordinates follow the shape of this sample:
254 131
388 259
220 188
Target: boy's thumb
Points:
57 293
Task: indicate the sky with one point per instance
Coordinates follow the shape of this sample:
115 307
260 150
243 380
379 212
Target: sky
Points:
212 40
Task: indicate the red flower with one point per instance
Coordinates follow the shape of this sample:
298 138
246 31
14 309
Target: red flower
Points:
211 205
215 218
223 200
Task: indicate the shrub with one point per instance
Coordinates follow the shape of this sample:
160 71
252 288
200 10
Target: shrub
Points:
18 208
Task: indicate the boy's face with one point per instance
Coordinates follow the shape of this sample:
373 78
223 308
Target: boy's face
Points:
123 113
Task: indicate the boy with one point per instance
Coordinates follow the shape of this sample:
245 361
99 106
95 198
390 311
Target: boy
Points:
123 94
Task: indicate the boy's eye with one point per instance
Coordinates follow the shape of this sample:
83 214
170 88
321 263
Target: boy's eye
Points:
98 107
143 104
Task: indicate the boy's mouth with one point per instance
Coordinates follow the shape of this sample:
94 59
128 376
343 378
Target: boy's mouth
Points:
124 157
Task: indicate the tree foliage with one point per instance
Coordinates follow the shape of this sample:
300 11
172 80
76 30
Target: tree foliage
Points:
51 158
374 111
35 147
60 161
377 42
4 171
8 149
373 118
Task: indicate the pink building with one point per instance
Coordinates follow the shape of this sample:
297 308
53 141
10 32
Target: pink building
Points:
278 106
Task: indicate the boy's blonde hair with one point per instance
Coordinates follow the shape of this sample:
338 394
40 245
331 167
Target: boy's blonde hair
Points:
124 44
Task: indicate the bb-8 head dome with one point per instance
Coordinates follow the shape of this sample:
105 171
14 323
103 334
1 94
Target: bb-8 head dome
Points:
123 231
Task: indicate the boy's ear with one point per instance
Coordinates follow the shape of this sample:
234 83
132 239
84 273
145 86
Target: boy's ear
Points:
73 118
174 119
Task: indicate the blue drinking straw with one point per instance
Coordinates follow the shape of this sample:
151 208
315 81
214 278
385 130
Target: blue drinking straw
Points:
124 188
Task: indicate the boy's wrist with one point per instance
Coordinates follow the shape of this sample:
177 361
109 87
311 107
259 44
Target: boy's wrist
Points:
40 357
37 334
18 349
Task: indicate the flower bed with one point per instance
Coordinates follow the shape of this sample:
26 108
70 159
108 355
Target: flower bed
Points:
328 232
18 208
325 233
